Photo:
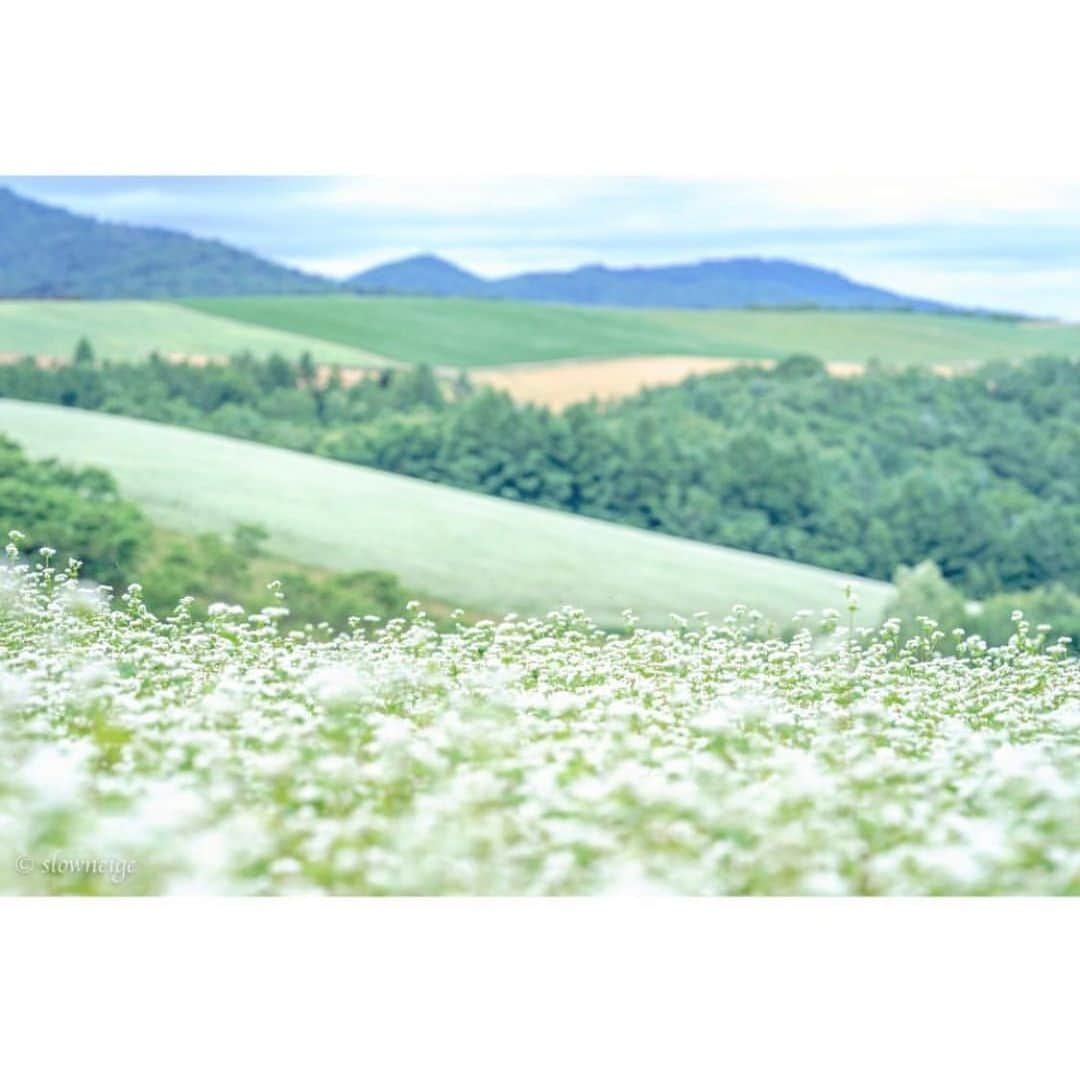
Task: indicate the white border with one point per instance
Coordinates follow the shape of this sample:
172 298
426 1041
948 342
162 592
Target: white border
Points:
569 87
519 988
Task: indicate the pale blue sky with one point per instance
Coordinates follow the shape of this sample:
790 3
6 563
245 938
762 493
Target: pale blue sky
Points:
1012 245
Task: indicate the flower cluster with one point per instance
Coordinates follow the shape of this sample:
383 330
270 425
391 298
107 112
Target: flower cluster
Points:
540 756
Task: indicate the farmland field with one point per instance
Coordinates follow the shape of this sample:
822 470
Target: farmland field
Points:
478 333
559 385
369 331
131 329
521 757
484 553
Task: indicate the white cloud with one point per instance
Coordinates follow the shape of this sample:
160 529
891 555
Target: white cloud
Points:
952 199
453 196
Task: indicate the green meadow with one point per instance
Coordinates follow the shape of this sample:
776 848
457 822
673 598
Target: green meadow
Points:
131 329
365 331
480 333
486 554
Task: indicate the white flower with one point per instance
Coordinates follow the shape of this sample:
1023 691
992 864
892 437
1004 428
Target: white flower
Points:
562 702
723 718
392 731
14 691
338 685
84 602
56 774
167 805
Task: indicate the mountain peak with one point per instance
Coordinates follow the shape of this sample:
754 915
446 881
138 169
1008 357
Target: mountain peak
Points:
423 274
46 251
426 259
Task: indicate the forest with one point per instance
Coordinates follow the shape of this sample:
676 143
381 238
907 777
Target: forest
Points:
973 472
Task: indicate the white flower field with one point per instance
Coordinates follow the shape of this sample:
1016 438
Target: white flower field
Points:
523 757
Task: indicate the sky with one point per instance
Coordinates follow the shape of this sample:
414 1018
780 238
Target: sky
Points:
1010 245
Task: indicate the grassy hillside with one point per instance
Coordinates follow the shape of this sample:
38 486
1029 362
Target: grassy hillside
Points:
486 554
130 329
350 330
484 332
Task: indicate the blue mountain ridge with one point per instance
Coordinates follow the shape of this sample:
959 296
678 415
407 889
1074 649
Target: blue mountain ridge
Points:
712 283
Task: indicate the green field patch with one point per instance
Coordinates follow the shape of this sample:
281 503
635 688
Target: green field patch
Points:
132 329
480 333
484 553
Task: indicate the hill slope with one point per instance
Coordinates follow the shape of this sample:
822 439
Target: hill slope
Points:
48 252
132 329
713 283
479 333
486 554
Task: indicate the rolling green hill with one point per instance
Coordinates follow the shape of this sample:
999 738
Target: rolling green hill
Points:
484 553
130 329
367 331
477 333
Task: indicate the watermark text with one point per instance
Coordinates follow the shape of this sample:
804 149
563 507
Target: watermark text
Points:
62 864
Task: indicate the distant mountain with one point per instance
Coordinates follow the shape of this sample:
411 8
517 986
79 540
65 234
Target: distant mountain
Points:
426 275
49 252
714 283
